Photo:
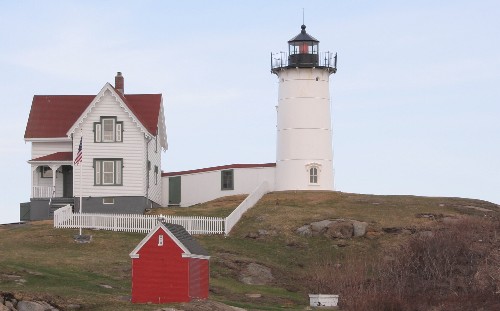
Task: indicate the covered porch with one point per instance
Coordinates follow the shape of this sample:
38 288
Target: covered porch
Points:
52 176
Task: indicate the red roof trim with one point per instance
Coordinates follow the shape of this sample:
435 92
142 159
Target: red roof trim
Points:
58 156
217 168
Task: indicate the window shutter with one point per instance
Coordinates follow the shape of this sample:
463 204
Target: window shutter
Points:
97 170
118 172
98 134
118 132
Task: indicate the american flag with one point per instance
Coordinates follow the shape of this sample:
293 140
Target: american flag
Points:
79 154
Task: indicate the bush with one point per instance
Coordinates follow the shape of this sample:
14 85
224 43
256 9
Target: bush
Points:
456 267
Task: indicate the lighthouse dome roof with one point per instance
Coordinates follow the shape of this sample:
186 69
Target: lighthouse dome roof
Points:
303 36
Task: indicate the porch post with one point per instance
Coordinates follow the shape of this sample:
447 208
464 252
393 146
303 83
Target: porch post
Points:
54 169
33 179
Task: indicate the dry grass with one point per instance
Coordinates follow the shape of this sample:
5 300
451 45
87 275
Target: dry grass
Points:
221 207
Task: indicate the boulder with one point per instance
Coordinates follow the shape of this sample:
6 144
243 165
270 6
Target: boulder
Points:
255 274
10 305
305 231
359 228
320 227
4 308
34 306
340 229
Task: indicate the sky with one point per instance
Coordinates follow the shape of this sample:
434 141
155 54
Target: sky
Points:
415 101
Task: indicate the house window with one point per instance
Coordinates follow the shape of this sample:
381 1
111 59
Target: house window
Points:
227 180
46 172
156 175
313 175
160 240
108 200
108 130
108 172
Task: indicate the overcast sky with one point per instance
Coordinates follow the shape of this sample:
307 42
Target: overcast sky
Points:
416 99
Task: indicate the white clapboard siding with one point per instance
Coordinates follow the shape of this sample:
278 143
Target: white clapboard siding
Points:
65 218
131 150
40 149
154 155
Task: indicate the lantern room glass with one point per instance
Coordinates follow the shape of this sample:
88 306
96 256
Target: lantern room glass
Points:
303 47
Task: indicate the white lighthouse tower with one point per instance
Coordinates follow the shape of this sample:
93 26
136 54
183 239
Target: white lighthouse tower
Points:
304 154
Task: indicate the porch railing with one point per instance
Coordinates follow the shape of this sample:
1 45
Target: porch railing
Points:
41 192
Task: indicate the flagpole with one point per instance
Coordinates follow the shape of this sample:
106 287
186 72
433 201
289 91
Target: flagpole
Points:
81 170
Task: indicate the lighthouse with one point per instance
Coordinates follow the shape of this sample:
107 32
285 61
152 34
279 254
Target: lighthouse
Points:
304 153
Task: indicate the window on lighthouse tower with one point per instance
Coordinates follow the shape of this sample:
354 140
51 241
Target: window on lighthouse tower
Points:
313 175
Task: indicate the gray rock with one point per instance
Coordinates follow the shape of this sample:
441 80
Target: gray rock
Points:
320 227
9 305
359 228
305 231
34 306
1 300
255 274
340 230
4 308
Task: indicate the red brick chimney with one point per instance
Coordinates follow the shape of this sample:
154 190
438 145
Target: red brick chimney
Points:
120 83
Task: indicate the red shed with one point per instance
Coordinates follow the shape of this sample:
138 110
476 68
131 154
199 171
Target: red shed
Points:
168 265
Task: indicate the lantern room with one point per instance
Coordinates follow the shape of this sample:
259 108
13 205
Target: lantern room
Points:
303 50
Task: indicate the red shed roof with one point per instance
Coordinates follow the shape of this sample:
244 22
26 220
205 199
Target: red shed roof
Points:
58 156
51 116
180 236
216 168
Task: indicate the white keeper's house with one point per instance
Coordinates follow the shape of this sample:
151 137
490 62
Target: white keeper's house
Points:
123 136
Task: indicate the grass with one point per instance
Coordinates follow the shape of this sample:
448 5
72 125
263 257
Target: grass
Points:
58 270
221 207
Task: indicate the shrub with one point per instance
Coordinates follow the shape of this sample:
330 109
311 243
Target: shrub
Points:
456 267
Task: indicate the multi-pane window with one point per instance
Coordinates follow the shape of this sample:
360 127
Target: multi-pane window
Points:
313 175
108 130
108 172
227 180
46 172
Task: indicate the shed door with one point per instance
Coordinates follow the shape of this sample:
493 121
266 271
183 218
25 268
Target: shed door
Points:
174 190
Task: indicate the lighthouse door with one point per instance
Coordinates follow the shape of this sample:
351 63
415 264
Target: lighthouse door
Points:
174 190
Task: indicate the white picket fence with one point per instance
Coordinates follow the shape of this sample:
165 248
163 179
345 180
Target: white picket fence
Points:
65 218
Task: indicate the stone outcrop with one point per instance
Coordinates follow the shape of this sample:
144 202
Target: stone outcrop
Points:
255 274
334 229
9 303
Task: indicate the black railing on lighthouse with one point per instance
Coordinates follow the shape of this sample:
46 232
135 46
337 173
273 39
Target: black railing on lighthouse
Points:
282 60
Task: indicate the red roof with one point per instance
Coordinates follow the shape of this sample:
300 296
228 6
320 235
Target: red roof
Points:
52 116
58 156
216 168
